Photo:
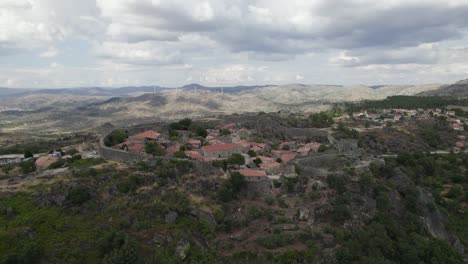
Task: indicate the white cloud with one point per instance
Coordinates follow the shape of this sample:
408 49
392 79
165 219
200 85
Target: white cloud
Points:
51 52
347 38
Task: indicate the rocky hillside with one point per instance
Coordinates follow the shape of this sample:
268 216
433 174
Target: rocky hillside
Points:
75 109
459 89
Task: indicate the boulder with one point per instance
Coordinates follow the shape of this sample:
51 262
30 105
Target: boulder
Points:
171 217
204 216
182 248
159 240
304 214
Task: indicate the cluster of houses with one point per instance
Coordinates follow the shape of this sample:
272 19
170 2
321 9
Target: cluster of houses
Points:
395 115
262 160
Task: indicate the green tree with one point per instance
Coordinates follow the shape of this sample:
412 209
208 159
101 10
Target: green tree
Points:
236 159
257 161
181 155
154 149
116 137
28 154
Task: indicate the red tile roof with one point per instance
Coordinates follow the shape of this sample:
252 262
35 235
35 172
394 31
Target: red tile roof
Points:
193 154
287 157
148 134
219 147
134 145
171 150
252 173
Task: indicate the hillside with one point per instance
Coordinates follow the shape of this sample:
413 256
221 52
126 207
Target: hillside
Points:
84 108
459 89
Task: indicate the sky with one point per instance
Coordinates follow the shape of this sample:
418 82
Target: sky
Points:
113 43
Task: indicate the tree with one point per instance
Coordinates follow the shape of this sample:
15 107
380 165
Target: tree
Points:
154 149
237 181
231 187
252 153
181 155
257 161
322 148
28 154
236 159
116 137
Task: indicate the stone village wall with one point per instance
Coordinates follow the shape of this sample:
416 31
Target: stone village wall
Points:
117 154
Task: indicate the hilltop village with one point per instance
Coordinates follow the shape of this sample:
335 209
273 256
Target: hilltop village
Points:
226 145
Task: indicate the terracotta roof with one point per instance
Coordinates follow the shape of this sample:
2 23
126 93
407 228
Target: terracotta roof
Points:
134 145
194 141
148 134
171 150
245 143
218 147
252 173
269 165
193 154
287 157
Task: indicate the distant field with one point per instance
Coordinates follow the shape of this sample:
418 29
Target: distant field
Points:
464 108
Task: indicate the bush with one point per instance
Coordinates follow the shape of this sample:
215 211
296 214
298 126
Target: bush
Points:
78 195
236 159
231 187
181 155
252 153
28 154
257 161
130 184
455 192
153 148
28 166
116 137
58 164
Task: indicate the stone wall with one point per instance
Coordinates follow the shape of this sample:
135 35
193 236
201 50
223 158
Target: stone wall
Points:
319 160
117 154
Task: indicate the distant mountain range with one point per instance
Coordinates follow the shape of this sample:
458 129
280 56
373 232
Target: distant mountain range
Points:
124 91
83 108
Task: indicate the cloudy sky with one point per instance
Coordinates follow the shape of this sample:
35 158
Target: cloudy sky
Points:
69 43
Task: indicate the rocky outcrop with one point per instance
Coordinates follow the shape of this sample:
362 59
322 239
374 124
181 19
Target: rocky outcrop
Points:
182 248
203 216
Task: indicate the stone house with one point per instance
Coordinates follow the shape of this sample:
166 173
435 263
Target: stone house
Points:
253 175
221 151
